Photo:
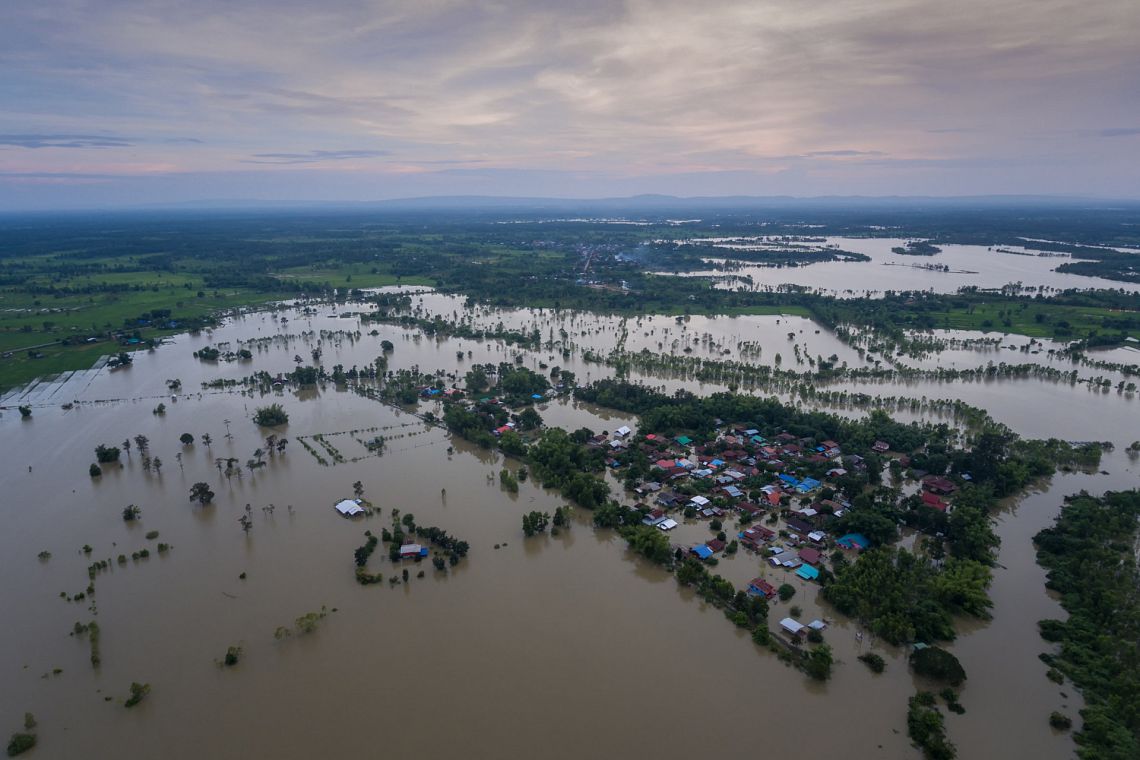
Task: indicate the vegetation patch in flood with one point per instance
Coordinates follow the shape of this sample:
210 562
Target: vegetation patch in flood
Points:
1090 553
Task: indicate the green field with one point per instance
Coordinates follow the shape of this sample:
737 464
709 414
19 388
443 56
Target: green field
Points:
1035 321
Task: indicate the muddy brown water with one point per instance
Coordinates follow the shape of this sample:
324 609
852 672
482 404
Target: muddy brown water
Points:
561 646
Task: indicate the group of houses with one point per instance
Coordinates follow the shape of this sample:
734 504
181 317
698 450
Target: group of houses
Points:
743 474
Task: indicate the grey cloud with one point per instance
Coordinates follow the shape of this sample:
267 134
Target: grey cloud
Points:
63 141
314 156
843 153
1120 132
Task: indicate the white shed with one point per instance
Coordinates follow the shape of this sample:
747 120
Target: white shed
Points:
793 627
349 508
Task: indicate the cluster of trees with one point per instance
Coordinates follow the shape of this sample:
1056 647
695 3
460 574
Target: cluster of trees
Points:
926 726
201 493
534 523
1091 561
938 664
271 416
560 461
906 597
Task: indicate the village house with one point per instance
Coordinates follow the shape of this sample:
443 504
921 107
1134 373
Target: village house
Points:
939 485
796 525
934 501
810 556
761 587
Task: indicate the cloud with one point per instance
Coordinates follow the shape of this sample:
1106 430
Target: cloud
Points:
1120 132
314 156
628 89
62 141
842 153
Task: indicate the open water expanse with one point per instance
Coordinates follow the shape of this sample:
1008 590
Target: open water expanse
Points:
970 266
563 646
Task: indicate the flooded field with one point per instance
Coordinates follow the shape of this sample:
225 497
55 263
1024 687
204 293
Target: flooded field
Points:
564 646
969 265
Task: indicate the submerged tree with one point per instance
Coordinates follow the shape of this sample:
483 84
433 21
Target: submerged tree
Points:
201 493
271 416
106 454
138 693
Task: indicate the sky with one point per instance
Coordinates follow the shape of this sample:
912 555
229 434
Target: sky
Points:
137 102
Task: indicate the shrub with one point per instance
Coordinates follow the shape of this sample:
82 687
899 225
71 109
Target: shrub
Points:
1060 721
106 454
817 663
786 592
94 470
271 416
138 693
937 663
20 743
873 661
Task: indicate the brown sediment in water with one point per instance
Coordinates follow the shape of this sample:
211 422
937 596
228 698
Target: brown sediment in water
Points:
552 646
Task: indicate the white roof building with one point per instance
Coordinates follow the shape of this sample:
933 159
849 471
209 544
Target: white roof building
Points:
623 431
791 626
698 501
349 508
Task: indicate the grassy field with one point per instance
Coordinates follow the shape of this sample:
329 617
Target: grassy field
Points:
1035 321
350 276
87 315
81 307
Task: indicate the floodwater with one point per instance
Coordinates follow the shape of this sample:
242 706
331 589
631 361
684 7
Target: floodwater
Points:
561 646
970 265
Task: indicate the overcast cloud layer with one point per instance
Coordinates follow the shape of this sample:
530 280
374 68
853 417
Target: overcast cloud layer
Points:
141 101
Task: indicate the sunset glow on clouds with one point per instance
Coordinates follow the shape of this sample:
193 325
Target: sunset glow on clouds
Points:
135 101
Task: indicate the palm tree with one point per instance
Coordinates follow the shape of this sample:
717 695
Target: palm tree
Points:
178 458
206 439
157 464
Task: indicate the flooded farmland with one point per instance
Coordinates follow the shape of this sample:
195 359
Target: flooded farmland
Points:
968 266
541 647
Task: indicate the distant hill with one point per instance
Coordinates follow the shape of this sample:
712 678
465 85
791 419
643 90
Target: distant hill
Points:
661 203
